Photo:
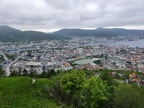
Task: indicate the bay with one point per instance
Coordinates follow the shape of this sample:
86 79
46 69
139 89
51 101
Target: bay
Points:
137 43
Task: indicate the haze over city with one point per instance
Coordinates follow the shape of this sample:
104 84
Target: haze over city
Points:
51 15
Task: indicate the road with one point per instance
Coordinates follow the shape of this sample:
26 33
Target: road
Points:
7 69
4 56
9 65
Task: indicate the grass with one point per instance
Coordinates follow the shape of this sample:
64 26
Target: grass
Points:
18 92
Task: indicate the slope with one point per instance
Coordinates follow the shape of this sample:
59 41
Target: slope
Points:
9 34
18 92
99 32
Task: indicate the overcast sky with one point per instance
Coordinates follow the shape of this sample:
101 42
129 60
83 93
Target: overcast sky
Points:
50 15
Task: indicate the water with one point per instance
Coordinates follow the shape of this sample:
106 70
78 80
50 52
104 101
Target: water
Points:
138 43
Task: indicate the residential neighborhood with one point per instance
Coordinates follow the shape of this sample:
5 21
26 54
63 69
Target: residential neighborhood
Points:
78 53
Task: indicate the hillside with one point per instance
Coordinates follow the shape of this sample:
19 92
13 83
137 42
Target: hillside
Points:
83 32
72 89
18 92
9 34
99 32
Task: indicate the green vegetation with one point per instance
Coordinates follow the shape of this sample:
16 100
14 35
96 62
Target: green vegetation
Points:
127 96
33 73
70 89
98 62
75 89
95 93
73 82
1 72
18 92
1 58
11 57
8 34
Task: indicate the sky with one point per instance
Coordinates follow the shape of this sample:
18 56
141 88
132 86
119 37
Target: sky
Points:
52 15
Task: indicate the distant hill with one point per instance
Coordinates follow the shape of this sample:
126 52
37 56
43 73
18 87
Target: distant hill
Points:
83 32
8 29
99 32
9 34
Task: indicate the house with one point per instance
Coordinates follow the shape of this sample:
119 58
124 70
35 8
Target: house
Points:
137 80
113 74
35 66
132 75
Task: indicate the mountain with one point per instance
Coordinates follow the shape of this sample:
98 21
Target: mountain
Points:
122 31
99 32
80 32
6 33
8 29
9 34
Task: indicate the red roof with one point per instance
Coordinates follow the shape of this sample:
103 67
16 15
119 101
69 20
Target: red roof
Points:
132 75
137 79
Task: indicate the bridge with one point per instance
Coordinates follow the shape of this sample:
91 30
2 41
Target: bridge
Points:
7 69
4 56
9 65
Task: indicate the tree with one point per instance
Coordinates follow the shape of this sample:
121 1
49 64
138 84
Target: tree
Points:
98 62
95 93
19 71
48 74
73 82
25 72
32 71
127 96
44 74
68 89
1 72
52 72
14 73
105 76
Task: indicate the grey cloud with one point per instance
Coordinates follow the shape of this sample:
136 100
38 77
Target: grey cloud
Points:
51 14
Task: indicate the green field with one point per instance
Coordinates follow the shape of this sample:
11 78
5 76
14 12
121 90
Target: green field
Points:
85 61
18 92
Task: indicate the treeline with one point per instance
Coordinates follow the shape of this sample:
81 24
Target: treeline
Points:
34 74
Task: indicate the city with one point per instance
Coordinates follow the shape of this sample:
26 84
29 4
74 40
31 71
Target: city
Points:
63 55
71 53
